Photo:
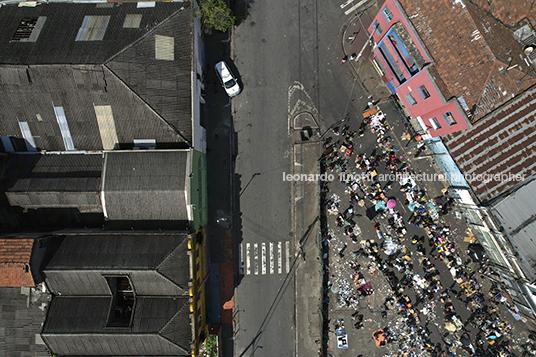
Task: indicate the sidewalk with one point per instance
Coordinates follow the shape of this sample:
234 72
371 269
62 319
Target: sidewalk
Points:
355 36
305 217
220 282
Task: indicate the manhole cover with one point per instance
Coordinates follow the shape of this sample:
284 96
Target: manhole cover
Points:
263 40
252 23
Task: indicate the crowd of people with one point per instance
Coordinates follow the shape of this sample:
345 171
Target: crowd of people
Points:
424 300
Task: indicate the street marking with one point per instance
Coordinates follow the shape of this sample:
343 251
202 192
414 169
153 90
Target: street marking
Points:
279 259
263 266
241 255
256 257
287 249
248 267
353 8
271 258
346 4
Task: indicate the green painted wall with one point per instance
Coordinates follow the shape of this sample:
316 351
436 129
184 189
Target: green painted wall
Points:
198 185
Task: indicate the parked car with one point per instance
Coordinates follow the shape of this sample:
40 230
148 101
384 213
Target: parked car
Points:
228 80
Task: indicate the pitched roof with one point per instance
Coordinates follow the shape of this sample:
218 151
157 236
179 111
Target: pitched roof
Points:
102 113
475 54
45 180
118 251
503 143
146 185
14 262
509 12
59 42
158 270
157 263
134 83
20 324
77 326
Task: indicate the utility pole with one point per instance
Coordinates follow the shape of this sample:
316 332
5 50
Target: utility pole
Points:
365 45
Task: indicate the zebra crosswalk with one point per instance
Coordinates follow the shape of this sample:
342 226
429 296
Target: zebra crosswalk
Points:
265 258
353 7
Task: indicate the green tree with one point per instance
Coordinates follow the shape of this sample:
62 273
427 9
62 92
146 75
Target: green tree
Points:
216 14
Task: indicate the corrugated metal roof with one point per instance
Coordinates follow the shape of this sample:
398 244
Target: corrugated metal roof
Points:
164 83
149 98
77 326
45 180
158 264
57 43
20 325
517 215
502 143
147 185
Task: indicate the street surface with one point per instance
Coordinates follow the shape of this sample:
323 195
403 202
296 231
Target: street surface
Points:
287 55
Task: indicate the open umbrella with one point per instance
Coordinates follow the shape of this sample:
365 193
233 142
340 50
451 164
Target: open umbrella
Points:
476 253
450 326
391 204
380 206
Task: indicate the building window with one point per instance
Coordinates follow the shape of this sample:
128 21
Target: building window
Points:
424 92
449 118
402 52
435 123
123 300
378 28
391 63
387 14
411 99
28 29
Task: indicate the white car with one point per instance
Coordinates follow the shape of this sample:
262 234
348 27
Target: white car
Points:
227 79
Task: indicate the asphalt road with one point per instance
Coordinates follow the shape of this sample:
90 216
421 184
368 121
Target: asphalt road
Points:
279 46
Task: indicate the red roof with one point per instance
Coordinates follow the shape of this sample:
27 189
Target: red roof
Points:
15 262
474 53
502 143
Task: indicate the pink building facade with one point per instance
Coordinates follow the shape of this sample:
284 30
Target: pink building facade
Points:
405 67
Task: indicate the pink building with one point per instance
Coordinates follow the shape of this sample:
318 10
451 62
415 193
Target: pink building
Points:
461 82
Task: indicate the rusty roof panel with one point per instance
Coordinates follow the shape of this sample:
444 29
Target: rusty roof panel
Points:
502 143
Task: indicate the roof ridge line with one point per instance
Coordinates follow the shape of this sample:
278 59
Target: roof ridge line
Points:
515 68
143 36
171 126
170 253
483 90
481 36
169 322
489 13
165 260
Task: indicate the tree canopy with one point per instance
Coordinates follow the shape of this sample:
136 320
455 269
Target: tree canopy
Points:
216 14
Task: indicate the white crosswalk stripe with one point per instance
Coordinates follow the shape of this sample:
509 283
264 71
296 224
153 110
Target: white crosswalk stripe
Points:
261 258
256 257
263 266
287 251
248 266
241 255
272 260
353 8
346 4
279 259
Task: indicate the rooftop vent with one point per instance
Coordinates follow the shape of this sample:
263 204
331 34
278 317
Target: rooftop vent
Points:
28 29
525 35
